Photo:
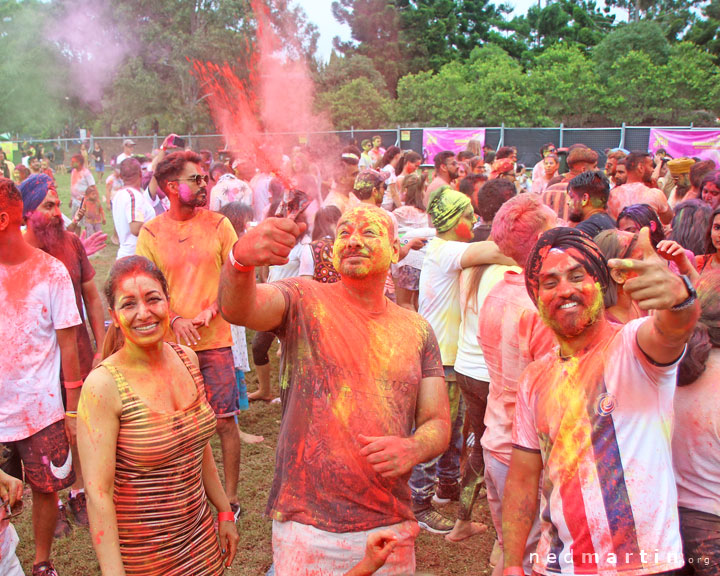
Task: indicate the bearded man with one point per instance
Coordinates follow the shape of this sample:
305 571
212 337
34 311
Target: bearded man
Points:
189 245
45 230
594 417
358 374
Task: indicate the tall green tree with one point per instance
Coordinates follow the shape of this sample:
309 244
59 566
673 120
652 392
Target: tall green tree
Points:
673 16
34 95
644 36
705 31
577 22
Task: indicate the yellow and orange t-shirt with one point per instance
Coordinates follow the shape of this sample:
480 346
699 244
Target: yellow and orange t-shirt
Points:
191 253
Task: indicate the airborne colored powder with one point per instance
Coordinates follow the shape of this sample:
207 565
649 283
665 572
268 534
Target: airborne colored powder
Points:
276 98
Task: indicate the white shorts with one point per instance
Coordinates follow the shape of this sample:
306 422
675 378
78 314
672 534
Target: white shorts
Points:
303 550
9 563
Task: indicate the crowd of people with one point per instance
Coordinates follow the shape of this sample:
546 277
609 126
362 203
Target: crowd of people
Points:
543 339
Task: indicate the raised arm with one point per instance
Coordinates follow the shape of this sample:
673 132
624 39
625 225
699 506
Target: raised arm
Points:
486 252
98 427
243 303
654 287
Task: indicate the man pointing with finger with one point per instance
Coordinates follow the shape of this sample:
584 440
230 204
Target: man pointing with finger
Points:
595 416
358 373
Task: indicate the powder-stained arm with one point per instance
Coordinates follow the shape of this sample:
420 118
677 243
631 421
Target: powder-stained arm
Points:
392 456
519 506
93 304
654 287
241 301
486 252
98 427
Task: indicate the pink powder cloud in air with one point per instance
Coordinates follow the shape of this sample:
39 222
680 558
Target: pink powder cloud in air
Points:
276 98
92 43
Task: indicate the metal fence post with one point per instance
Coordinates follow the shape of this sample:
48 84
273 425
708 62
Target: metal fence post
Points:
352 132
561 135
622 136
501 143
397 137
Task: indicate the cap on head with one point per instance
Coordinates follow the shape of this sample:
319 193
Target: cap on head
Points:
128 142
366 180
581 154
445 207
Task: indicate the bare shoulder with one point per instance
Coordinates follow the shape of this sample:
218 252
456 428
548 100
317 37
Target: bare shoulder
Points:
100 391
191 354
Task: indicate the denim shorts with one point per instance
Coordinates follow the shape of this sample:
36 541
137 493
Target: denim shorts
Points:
218 371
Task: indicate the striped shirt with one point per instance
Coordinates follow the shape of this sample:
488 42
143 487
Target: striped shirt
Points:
164 522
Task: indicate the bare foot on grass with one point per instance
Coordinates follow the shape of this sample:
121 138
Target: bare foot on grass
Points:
253 396
465 529
250 438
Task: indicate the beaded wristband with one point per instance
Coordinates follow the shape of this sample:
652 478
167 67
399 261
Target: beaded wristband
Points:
71 414
72 384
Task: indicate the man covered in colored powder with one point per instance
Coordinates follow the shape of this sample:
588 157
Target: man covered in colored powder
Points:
594 417
38 324
45 230
358 373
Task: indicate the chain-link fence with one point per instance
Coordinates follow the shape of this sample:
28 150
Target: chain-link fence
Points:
528 141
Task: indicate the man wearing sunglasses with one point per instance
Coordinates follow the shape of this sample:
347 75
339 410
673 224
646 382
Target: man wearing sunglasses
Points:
189 244
130 209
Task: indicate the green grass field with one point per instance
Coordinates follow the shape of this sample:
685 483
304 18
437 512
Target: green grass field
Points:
74 555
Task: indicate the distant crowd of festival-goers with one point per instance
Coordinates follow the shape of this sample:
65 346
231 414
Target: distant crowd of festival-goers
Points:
455 332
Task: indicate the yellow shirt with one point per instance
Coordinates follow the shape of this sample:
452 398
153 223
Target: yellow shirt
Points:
190 254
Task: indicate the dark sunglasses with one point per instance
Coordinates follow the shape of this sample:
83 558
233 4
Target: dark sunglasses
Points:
198 179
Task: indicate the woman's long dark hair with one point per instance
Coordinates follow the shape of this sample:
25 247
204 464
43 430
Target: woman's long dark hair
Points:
326 220
709 246
643 215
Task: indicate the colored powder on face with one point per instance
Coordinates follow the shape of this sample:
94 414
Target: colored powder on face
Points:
351 239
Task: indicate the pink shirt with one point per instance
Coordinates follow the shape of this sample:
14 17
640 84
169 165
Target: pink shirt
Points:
511 335
636 193
696 440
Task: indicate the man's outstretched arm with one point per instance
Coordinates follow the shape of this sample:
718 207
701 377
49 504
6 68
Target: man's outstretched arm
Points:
240 301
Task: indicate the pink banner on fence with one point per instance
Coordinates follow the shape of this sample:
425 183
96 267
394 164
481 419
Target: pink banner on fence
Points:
454 139
703 144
